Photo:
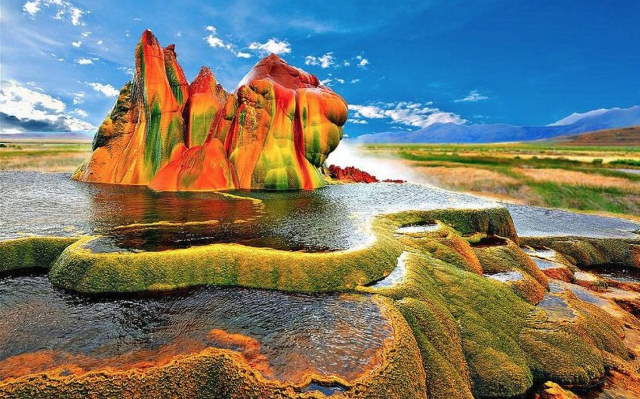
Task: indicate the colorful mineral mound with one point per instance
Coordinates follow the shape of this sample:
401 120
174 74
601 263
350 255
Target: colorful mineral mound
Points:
275 132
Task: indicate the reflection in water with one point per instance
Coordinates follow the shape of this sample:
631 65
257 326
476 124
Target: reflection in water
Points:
331 218
282 335
506 277
397 275
617 273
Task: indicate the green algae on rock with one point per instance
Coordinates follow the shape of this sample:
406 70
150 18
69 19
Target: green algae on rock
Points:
32 252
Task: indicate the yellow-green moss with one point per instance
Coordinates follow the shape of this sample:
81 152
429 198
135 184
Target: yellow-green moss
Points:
491 221
438 338
83 270
31 252
453 249
507 343
584 251
509 257
489 317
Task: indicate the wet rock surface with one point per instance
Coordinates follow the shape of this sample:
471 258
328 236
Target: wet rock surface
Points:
285 336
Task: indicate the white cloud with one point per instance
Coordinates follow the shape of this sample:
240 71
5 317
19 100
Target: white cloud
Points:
272 45
329 60
341 81
31 7
405 113
105 89
362 62
358 121
61 8
99 42
216 42
472 97
76 44
84 61
85 34
76 14
78 97
80 112
127 70
354 81
23 109
324 61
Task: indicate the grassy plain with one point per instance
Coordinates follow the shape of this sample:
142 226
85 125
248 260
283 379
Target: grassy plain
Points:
587 178
42 155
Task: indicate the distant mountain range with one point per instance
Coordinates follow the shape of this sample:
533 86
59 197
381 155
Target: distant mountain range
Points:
491 133
621 136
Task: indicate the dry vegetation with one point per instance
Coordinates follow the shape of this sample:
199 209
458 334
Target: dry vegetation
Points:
588 178
571 177
43 156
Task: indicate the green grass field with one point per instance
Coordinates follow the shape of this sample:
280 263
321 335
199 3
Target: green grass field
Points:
586 178
43 156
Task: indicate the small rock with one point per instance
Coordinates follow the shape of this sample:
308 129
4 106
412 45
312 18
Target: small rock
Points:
551 390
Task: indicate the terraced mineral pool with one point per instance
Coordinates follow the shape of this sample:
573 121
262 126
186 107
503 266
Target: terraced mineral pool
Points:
418 228
556 308
284 336
332 218
544 253
397 275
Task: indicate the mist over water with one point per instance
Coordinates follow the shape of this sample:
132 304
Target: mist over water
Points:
350 154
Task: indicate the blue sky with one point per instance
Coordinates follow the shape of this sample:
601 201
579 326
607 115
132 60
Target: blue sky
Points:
401 65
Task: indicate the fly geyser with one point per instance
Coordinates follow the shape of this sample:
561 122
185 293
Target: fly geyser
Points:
274 132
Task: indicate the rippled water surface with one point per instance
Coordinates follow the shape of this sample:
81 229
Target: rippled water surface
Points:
331 218
282 334
534 221
334 217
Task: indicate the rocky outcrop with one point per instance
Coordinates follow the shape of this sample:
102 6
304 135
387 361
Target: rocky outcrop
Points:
352 174
274 132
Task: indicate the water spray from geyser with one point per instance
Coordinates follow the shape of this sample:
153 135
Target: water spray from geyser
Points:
350 154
